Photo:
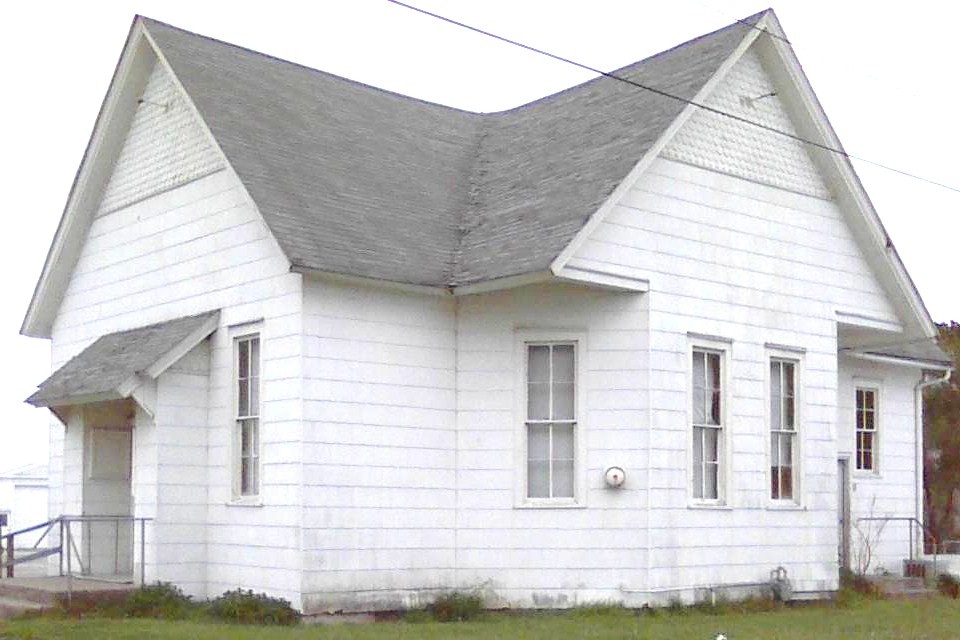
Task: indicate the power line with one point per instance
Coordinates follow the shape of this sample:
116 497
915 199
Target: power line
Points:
667 94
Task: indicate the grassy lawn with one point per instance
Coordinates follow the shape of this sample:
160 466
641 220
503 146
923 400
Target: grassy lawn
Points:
874 620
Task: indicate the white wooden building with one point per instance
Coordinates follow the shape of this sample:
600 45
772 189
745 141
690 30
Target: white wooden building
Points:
355 349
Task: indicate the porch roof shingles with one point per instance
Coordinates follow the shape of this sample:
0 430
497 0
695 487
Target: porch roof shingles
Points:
101 369
360 181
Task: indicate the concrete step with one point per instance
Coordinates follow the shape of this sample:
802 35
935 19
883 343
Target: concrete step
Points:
903 588
11 607
11 590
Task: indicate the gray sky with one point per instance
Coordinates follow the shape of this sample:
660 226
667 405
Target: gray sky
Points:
885 73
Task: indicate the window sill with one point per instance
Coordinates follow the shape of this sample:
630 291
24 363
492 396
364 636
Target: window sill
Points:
785 505
709 506
550 504
252 501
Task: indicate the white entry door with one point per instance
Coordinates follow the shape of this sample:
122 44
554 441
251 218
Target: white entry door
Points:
108 544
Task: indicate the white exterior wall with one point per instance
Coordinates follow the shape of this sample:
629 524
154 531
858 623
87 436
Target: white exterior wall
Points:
890 491
543 557
379 447
191 249
753 264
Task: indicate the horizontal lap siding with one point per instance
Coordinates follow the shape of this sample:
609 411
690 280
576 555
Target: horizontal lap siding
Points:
378 451
187 250
754 264
551 557
890 490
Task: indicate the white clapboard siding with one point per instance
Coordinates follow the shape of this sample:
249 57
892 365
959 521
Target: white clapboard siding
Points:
551 557
181 251
379 447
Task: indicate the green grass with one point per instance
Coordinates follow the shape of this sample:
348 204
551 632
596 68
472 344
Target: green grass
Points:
873 619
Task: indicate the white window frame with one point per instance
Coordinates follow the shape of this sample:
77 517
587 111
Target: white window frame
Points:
872 387
241 334
723 348
798 433
525 338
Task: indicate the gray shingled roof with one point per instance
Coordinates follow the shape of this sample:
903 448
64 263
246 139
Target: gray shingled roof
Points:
111 360
356 180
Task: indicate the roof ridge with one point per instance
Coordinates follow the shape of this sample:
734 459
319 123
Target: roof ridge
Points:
147 20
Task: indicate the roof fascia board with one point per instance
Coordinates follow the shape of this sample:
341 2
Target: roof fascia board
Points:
603 279
78 400
342 278
499 284
896 361
843 172
183 347
116 113
638 170
854 319
211 139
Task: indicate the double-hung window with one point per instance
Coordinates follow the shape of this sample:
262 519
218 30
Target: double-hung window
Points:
708 424
247 437
783 429
867 424
551 420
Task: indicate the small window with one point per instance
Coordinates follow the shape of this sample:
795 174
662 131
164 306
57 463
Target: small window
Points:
551 420
707 418
783 429
867 426
248 415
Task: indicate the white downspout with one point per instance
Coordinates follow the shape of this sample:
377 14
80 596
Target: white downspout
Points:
918 460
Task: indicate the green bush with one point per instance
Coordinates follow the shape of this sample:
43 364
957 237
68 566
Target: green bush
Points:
161 600
247 607
456 607
948 585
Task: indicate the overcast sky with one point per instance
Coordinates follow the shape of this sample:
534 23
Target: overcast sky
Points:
885 73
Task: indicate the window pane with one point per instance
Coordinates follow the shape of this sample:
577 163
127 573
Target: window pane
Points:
563 479
563 401
246 438
775 395
786 483
775 482
243 397
698 462
786 451
789 410
711 437
538 481
243 358
249 482
563 363
788 379
713 364
868 399
538 363
698 384
710 476
538 442
868 420
255 357
563 442
715 408
859 399
775 449
699 405
538 401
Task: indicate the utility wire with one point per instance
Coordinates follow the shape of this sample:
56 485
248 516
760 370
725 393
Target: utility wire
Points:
667 94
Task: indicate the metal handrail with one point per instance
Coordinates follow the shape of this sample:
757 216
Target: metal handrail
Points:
913 521
8 549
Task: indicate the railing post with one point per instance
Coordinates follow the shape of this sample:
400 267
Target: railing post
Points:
10 557
143 555
60 541
69 567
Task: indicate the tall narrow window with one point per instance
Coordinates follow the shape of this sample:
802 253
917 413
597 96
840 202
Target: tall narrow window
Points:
707 424
783 428
866 429
551 420
248 415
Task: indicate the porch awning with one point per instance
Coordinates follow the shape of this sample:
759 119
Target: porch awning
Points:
116 364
